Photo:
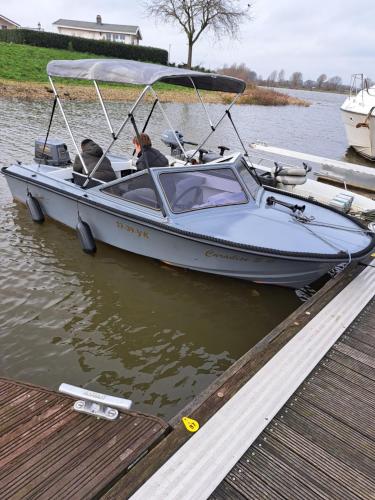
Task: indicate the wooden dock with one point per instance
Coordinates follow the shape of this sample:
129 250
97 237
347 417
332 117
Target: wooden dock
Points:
321 445
299 421
293 418
47 450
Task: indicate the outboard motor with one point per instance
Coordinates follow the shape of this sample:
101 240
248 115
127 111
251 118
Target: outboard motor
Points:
54 153
169 138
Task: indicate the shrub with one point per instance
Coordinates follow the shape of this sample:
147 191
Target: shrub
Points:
99 47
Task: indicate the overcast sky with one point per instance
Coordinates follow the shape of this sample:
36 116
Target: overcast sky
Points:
336 37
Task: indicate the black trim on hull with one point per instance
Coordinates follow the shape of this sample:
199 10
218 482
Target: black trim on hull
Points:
266 252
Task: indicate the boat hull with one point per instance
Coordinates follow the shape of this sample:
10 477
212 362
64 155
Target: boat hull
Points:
127 233
360 138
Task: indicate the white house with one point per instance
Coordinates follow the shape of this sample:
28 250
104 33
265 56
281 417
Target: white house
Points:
7 24
100 31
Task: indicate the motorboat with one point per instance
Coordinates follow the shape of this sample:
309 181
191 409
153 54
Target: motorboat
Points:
204 212
359 117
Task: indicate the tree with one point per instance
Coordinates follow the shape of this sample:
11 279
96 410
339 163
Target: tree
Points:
334 83
309 84
281 76
272 77
221 17
296 79
320 80
238 71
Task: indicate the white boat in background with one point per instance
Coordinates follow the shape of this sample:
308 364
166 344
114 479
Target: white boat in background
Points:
358 114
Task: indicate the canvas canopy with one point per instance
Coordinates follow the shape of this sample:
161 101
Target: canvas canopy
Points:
140 73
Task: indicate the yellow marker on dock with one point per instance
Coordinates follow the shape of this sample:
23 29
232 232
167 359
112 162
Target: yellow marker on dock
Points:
190 424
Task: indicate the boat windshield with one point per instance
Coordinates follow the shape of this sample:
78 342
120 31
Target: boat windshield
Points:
138 190
248 179
187 191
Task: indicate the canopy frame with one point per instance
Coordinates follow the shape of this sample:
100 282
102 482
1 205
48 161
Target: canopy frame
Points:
130 117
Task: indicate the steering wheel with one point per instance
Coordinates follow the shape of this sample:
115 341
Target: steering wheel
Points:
184 193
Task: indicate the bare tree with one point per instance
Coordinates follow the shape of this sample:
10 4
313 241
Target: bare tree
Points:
281 76
238 71
320 80
272 77
222 17
296 79
334 82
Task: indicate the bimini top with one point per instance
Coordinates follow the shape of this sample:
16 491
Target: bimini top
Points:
140 73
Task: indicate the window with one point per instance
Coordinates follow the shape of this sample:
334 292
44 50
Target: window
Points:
194 190
108 36
251 184
3 27
138 190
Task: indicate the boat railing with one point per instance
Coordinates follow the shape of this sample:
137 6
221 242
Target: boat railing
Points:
356 85
359 84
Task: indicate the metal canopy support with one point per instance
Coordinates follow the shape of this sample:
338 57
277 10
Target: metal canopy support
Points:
140 97
67 125
203 104
215 126
169 123
104 108
237 133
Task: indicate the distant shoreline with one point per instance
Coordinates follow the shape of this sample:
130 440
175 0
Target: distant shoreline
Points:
35 91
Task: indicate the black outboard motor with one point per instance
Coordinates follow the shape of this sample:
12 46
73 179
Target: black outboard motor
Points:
169 138
54 153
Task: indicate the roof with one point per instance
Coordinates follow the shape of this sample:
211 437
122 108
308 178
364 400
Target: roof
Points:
117 28
140 73
9 20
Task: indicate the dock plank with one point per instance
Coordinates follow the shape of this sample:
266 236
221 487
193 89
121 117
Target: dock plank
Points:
324 437
47 450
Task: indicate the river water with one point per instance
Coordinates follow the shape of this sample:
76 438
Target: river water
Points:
117 322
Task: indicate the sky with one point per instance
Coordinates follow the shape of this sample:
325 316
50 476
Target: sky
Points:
335 37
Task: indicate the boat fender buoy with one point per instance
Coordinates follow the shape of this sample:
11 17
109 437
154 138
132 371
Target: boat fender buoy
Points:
34 208
85 237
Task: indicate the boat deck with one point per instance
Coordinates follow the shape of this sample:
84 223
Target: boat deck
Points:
47 450
322 443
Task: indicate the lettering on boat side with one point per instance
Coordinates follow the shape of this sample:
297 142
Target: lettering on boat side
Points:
131 229
212 253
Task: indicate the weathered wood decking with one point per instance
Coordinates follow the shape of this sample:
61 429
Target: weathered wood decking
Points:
204 463
47 450
322 443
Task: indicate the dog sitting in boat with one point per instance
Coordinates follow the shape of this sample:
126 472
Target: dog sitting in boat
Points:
91 153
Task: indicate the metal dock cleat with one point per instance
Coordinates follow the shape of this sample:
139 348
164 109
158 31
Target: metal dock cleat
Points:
95 403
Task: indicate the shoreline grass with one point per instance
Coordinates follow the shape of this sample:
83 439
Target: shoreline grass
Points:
23 76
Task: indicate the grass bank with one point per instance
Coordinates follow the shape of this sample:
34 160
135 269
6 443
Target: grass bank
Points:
23 76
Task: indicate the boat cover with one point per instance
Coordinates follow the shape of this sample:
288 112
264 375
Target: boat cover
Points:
140 73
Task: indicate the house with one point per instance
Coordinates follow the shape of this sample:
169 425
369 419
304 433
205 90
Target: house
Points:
100 31
7 24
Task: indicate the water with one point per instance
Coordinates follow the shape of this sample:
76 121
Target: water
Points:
118 322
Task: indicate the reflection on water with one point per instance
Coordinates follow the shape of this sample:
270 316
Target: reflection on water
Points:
118 322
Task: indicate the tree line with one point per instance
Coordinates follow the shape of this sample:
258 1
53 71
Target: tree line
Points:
280 79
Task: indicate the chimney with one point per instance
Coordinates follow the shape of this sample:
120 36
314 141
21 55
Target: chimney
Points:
98 19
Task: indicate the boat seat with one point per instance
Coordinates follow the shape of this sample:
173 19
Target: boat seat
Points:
80 179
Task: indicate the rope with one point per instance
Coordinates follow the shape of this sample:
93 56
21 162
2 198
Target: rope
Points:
310 220
299 220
